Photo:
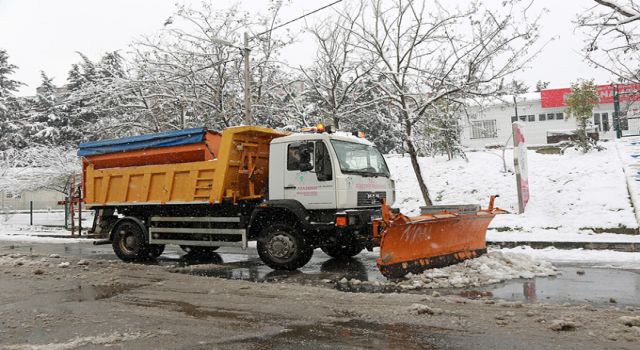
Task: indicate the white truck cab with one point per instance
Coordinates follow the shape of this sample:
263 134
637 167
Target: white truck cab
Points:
328 171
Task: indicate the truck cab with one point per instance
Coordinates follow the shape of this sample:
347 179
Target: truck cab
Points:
328 171
328 187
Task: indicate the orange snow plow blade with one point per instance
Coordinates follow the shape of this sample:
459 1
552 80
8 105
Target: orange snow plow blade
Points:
441 236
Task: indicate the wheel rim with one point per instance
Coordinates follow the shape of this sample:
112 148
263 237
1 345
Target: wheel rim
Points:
128 242
281 246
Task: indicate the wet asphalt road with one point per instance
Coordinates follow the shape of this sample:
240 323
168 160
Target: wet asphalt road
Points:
597 285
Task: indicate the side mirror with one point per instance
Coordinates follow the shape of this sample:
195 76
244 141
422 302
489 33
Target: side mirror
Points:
305 157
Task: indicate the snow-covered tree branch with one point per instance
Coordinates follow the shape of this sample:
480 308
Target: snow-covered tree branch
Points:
612 28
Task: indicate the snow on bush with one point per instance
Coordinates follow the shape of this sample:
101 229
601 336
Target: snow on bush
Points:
490 268
568 192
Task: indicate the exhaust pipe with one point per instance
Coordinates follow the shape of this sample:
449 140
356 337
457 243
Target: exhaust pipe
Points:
102 242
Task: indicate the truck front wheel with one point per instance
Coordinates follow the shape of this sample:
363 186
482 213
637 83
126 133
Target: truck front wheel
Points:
282 247
129 243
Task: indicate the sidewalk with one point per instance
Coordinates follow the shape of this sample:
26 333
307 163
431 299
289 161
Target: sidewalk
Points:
629 154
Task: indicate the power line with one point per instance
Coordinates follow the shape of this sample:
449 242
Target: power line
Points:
298 18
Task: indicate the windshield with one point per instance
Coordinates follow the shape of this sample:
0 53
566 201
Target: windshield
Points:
357 158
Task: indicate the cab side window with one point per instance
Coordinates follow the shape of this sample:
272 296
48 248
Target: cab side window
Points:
323 162
293 157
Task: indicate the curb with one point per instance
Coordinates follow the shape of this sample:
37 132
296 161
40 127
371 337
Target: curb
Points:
629 247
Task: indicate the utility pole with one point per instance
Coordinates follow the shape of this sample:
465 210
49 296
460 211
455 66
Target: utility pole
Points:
248 119
616 111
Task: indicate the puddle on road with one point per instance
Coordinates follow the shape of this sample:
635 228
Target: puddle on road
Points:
357 334
596 286
98 292
188 308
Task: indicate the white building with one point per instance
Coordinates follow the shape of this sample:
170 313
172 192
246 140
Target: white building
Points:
545 118
41 199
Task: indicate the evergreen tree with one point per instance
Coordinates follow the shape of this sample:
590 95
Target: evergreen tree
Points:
583 98
541 85
10 107
443 131
7 86
50 122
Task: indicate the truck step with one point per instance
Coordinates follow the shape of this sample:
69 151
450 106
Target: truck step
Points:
164 235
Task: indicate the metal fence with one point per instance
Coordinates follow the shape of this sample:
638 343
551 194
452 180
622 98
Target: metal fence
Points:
19 206
43 213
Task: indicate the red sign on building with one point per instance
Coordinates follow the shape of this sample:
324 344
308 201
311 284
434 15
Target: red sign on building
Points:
557 97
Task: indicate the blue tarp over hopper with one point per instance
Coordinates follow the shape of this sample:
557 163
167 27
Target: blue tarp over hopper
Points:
162 139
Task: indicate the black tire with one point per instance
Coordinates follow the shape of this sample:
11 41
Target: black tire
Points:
155 250
129 242
282 247
342 251
199 251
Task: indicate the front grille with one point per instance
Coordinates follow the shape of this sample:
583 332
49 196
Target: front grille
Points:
366 198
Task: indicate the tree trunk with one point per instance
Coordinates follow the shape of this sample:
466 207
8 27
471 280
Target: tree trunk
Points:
413 154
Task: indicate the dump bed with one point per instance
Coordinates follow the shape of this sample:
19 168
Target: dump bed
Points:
232 166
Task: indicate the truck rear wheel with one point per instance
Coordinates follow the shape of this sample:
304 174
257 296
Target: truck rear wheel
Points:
129 243
342 251
282 247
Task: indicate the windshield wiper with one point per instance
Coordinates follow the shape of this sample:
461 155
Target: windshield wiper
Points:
365 173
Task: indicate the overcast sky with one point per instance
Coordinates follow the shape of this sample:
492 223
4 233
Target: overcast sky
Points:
45 35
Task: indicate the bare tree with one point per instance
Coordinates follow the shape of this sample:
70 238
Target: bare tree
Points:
192 78
426 52
613 37
337 72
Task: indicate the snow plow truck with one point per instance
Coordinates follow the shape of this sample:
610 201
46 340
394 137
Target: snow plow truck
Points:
290 192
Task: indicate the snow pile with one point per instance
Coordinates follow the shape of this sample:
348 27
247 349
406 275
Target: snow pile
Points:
569 192
490 268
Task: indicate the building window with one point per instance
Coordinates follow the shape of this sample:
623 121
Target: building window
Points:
559 116
523 118
550 116
542 117
596 121
514 118
484 129
531 118
605 121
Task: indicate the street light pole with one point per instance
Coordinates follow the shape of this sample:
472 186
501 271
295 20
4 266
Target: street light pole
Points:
616 111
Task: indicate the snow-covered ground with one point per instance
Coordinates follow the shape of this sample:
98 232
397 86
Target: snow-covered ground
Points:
48 227
570 193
